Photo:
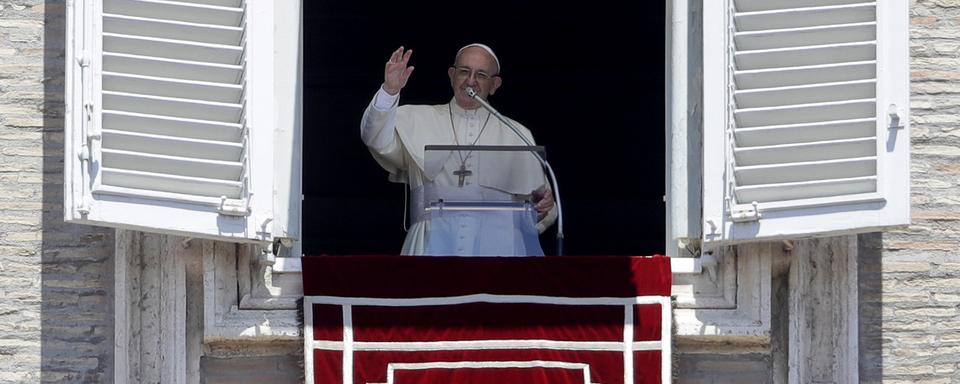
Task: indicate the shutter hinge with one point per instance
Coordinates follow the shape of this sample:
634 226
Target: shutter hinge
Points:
84 60
84 154
92 133
234 207
88 110
745 214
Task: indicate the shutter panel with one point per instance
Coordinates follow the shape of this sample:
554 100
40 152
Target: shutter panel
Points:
161 117
805 107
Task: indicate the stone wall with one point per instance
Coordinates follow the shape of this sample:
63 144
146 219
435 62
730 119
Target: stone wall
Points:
55 279
918 308
738 366
253 370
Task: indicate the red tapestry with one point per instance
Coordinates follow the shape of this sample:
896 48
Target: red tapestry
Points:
557 320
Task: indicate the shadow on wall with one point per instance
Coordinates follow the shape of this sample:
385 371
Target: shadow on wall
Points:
76 309
869 272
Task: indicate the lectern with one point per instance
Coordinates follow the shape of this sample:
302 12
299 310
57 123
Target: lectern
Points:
487 210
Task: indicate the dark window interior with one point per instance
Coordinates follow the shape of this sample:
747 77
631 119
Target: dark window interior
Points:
587 79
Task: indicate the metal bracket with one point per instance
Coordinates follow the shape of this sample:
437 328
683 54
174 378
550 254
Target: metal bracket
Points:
743 215
894 117
233 207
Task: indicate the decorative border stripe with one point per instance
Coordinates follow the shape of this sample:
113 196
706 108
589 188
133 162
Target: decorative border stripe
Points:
666 338
416 346
481 298
393 367
628 344
308 342
347 344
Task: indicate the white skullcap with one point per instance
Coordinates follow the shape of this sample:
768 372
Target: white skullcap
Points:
485 48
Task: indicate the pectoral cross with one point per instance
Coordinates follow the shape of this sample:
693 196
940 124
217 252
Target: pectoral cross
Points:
462 173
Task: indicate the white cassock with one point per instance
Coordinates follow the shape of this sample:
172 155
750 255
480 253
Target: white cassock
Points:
396 136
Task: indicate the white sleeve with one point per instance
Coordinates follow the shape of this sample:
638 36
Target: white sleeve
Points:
383 101
379 119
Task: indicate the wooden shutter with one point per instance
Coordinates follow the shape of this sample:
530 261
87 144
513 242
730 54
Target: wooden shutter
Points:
805 117
171 115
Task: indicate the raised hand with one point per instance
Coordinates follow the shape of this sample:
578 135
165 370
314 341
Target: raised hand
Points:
396 72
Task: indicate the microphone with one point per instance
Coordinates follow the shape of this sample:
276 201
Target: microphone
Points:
543 162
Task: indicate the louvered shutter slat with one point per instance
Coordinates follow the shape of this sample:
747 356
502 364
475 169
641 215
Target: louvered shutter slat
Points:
171 68
173 165
176 11
799 133
805 113
169 145
791 153
172 49
184 89
766 5
807 93
806 171
825 73
806 190
222 3
175 30
805 17
808 55
799 37
198 186
172 126
174 107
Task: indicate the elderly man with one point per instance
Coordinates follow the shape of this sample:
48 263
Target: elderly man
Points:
396 136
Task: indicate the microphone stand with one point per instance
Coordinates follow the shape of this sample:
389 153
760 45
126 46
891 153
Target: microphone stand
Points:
543 162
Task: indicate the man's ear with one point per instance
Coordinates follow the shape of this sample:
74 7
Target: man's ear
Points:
497 81
450 72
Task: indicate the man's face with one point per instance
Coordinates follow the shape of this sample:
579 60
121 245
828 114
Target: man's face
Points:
474 69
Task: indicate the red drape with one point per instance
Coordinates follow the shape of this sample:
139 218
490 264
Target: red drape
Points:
484 319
